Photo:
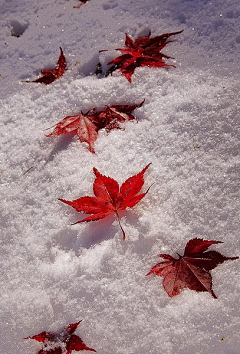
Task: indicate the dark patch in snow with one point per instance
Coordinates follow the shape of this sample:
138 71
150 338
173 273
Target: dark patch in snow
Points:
61 144
17 29
89 68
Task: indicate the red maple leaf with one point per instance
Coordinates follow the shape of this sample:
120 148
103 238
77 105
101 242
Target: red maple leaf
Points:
109 197
143 51
61 343
81 125
51 75
190 270
86 125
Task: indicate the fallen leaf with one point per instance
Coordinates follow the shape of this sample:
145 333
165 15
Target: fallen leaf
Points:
112 116
86 125
109 197
75 343
61 343
51 75
190 270
143 51
81 125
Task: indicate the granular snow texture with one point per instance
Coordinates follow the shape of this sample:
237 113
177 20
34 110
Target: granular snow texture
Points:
54 273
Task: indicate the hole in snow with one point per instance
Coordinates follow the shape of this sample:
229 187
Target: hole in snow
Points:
17 28
90 67
110 5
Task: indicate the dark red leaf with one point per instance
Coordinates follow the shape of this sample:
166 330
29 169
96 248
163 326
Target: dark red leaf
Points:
61 343
190 270
76 343
51 75
42 337
143 51
57 350
81 3
127 109
109 198
112 116
70 329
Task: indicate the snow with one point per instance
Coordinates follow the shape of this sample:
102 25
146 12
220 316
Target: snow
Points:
54 273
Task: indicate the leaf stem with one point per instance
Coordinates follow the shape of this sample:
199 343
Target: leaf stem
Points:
30 168
123 232
179 256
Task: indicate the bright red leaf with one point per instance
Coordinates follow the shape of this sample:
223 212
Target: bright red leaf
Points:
51 75
109 197
143 51
190 270
61 343
86 125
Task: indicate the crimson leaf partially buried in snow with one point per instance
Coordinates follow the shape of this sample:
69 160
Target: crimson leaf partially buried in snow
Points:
109 198
81 3
190 270
61 343
52 74
143 51
86 125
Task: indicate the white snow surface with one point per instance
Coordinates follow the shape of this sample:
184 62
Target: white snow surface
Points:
54 273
